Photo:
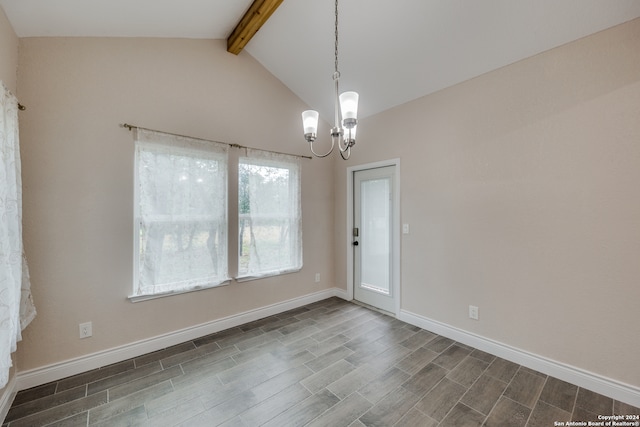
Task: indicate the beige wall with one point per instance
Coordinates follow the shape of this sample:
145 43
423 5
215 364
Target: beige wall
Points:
78 188
8 53
522 191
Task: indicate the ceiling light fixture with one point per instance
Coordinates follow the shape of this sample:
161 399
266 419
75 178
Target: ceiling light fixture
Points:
347 103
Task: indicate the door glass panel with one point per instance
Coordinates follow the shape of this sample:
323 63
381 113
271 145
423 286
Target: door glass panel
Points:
376 231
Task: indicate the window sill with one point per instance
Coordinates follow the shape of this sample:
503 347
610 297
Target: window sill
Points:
140 298
241 279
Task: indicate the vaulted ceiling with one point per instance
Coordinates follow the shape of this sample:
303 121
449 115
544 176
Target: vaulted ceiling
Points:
390 51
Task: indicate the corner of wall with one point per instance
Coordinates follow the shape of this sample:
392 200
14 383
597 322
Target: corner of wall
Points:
7 394
8 53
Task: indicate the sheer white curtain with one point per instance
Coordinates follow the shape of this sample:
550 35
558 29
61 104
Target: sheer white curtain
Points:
270 214
16 305
181 213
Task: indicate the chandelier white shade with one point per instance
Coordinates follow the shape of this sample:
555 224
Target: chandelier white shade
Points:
310 123
346 114
350 135
349 105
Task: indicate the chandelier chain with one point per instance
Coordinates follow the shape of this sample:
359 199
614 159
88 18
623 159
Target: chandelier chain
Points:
336 32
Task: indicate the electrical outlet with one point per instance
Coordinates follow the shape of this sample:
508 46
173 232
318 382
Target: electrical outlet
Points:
317 277
86 330
405 228
473 312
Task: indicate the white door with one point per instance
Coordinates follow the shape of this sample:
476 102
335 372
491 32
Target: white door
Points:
373 209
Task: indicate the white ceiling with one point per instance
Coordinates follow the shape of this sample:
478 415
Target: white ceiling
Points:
390 51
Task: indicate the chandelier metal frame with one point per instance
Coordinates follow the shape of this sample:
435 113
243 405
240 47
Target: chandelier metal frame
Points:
346 103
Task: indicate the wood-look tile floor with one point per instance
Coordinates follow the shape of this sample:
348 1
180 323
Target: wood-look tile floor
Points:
331 363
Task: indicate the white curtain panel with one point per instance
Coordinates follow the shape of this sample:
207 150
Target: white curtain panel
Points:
181 213
16 306
270 215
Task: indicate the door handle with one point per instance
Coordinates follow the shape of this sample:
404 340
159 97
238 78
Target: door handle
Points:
356 243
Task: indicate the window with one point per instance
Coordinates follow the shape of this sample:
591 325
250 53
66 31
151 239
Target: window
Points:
269 214
180 214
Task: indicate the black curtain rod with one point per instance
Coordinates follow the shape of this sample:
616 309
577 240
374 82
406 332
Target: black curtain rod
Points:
21 107
131 127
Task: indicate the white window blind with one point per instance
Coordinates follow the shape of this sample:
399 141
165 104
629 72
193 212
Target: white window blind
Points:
269 214
180 214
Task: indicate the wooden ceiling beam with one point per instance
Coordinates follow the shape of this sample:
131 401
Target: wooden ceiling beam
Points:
257 14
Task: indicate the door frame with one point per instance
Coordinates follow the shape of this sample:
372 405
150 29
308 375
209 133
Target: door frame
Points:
395 244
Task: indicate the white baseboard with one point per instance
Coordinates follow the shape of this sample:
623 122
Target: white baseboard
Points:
6 399
341 293
57 371
606 386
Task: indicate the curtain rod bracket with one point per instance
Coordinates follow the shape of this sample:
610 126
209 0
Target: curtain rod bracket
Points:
21 107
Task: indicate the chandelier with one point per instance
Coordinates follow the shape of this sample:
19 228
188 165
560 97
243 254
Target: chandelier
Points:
344 133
